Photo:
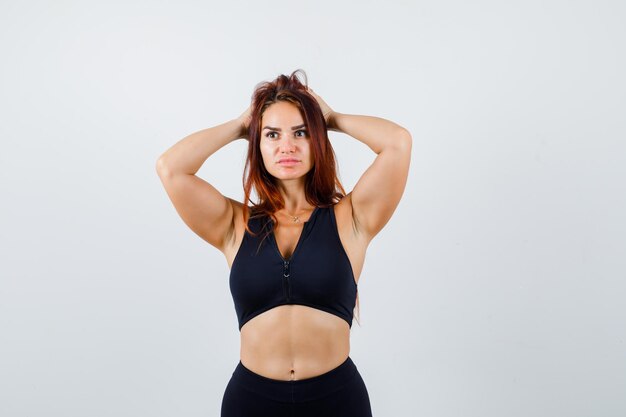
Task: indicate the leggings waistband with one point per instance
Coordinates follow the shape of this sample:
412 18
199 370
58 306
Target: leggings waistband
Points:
296 390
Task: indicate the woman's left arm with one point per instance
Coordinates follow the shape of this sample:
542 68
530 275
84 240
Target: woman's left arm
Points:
377 193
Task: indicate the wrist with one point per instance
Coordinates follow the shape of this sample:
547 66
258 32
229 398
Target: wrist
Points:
242 132
331 123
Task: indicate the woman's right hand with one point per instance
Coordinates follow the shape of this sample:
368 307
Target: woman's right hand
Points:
245 119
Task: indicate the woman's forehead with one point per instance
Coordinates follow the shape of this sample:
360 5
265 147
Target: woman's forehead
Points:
282 113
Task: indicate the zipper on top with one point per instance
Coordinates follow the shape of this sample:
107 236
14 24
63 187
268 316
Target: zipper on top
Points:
286 262
286 274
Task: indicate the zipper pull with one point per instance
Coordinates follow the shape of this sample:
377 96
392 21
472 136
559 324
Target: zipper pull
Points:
286 276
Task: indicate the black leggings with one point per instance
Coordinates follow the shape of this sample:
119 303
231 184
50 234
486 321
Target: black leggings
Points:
339 392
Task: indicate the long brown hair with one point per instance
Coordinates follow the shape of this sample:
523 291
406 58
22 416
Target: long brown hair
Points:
321 186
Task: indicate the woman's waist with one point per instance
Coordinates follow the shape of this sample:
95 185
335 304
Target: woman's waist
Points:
301 345
294 363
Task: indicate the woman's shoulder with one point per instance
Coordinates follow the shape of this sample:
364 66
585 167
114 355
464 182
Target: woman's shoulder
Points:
344 204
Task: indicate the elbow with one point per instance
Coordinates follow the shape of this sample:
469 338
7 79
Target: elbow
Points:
161 167
404 140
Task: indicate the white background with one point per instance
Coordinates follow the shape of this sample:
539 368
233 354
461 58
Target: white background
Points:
497 289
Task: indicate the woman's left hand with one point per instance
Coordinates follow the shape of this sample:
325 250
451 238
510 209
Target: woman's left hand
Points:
326 110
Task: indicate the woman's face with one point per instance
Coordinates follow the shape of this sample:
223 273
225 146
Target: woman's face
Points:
285 142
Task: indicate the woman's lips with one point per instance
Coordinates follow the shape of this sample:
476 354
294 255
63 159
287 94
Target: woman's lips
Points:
288 162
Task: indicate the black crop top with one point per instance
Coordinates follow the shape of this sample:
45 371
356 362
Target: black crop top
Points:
318 274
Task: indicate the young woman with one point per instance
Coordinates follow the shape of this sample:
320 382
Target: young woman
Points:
296 254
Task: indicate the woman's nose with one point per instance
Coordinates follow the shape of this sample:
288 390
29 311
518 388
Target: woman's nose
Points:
287 145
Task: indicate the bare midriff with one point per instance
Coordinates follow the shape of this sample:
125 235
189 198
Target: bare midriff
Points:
292 342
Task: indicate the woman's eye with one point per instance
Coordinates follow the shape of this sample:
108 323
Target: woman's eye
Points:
304 134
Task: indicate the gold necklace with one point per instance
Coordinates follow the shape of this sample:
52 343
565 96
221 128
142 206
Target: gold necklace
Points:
295 219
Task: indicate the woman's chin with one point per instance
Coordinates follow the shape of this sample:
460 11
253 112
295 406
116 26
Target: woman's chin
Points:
287 176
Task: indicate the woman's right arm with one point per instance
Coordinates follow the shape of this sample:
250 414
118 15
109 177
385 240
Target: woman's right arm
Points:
201 206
